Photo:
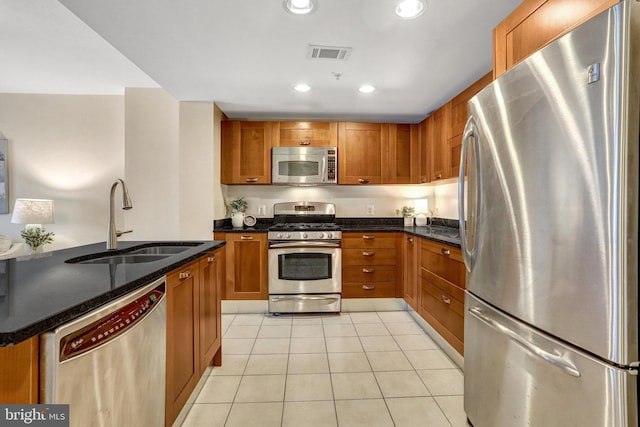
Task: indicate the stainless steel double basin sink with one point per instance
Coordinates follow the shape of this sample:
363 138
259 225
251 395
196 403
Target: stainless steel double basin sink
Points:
147 252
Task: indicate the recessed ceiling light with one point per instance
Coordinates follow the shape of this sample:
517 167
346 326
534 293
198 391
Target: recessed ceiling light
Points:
408 9
302 87
366 88
298 7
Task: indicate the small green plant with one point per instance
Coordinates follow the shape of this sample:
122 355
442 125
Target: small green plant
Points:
36 237
239 205
406 211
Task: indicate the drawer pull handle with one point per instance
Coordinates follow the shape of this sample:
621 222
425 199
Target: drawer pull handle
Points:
439 176
445 251
363 180
304 143
251 179
184 274
445 299
368 287
368 270
211 258
368 253
246 237
423 180
368 237
410 239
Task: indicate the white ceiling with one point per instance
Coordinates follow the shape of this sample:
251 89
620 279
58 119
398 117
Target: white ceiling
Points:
247 55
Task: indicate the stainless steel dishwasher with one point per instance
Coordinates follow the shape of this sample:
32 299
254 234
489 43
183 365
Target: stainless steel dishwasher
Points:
110 364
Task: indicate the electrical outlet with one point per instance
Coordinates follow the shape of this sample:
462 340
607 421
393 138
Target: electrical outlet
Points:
262 210
370 209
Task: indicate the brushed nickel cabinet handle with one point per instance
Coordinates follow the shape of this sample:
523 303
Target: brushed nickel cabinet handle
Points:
368 253
423 180
211 258
439 176
368 237
368 287
363 180
410 239
184 274
368 270
445 251
246 237
445 299
304 143
251 179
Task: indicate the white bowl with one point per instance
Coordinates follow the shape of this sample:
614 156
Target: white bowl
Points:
5 243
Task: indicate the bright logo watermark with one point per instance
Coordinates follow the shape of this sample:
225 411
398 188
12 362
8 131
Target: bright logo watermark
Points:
34 415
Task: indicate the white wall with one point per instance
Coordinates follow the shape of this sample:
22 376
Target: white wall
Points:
68 148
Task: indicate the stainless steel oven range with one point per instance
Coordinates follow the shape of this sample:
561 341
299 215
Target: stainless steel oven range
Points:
305 259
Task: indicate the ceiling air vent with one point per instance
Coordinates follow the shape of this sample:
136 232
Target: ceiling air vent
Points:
328 52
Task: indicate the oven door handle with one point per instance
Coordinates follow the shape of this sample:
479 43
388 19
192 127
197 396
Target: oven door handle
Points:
304 244
304 297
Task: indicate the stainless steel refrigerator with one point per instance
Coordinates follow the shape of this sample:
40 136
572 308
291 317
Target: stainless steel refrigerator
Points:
549 223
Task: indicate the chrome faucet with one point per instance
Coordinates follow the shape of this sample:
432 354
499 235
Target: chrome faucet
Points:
112 232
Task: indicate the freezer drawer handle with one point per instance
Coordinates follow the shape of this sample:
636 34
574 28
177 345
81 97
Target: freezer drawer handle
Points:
554 359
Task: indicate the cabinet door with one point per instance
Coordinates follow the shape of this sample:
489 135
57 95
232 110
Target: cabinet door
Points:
305 134
246 266
246 152
363 156
536 23
410 266
425 138
210 328
439 145
19 368
403 154
183 370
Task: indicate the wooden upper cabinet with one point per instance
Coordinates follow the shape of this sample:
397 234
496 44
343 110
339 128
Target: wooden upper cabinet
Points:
536 23
246 152
363 153
304 134
458 119
425 137
439 143
403 154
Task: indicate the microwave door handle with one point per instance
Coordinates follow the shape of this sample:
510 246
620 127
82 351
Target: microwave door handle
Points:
324 169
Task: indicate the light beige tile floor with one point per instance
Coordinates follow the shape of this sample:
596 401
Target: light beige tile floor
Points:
372 369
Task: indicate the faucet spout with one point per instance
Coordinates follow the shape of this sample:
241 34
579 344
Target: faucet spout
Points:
112 231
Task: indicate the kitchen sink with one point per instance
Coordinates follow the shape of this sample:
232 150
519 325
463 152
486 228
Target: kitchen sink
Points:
121 259
159 250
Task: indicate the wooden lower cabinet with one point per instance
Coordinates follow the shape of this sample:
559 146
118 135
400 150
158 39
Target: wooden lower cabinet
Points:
19 372
193 327
246 265
370 265
442 280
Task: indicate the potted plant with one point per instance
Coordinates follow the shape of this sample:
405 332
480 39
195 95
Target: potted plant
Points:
238 208
407 212
36 238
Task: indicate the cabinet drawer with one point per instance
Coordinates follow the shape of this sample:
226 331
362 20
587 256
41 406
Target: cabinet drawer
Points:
444 261
369 290
368 240
444 312
373 273
368 256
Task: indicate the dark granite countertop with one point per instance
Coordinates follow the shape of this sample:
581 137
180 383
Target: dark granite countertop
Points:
41 292
442 230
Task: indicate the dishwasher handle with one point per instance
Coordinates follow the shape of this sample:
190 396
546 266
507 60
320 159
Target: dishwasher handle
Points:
111 325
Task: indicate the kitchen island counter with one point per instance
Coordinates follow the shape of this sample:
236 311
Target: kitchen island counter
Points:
41 292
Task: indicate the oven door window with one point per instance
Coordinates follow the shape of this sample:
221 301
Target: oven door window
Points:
299 168
304 266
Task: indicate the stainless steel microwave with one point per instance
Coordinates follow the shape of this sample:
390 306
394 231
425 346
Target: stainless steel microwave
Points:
304 165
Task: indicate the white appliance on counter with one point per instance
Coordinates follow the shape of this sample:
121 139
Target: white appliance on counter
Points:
110 365
551 236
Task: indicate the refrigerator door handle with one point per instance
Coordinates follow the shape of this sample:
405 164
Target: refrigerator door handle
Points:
554 359
469 132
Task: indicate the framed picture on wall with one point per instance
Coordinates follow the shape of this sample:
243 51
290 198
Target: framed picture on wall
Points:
4 184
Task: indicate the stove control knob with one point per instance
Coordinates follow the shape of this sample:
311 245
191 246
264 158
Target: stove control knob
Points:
321 235
305 235
279 235
287 235
329 235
